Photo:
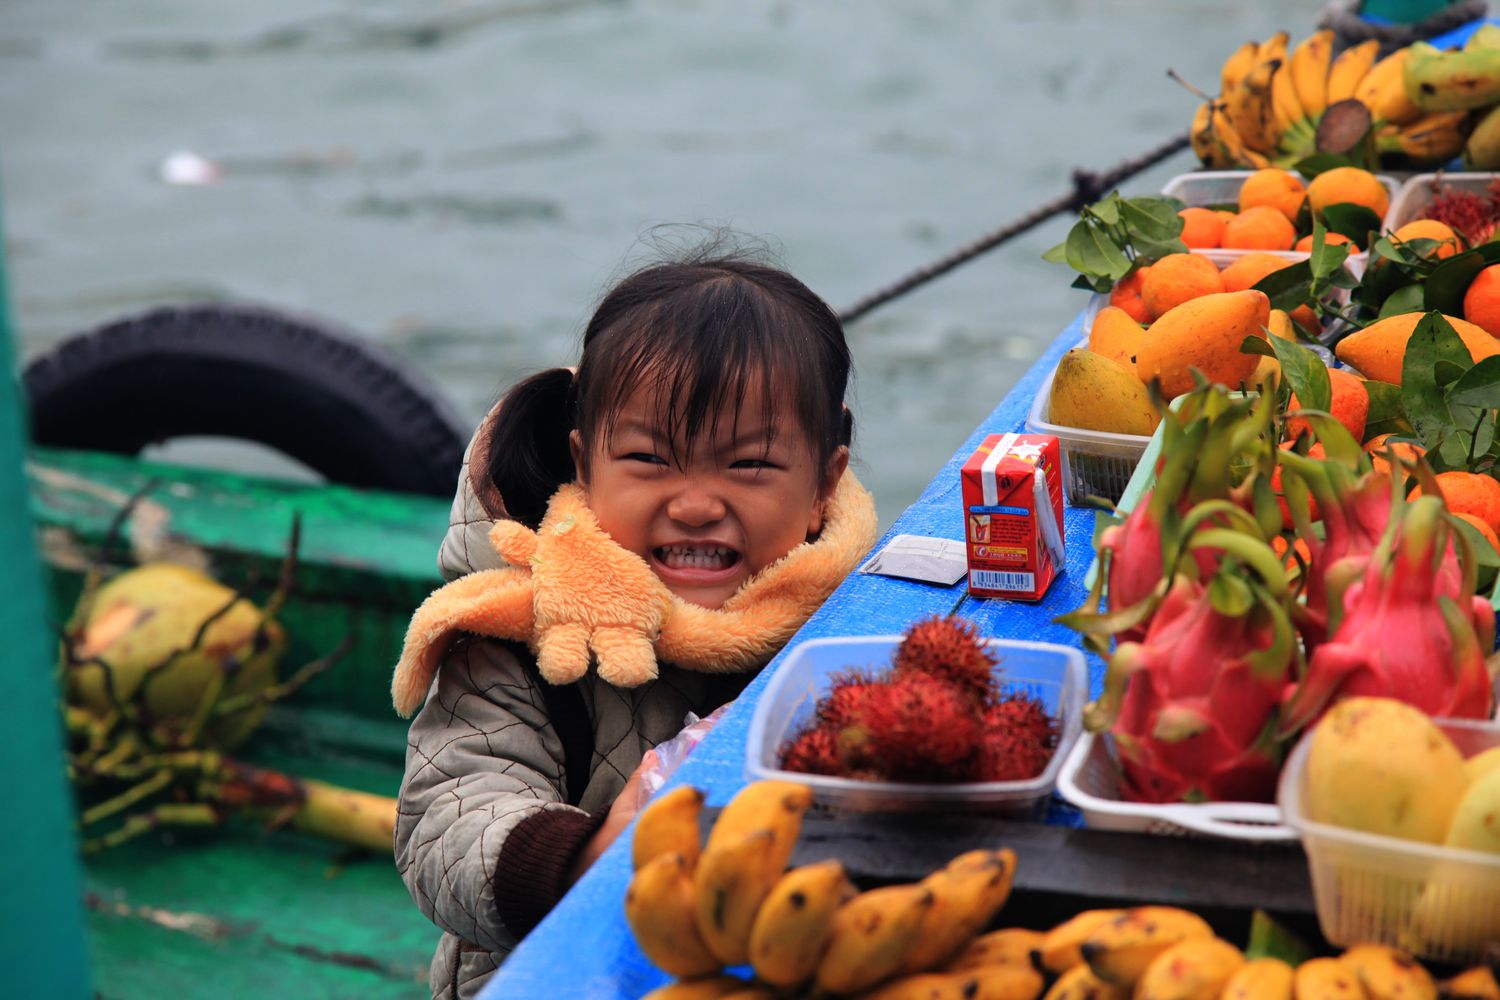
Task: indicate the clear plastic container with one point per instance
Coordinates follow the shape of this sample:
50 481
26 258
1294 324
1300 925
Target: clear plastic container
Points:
1420 189
1222 187
1051 673
1436 902
1090 781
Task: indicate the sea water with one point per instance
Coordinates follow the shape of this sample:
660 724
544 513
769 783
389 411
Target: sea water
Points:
460 180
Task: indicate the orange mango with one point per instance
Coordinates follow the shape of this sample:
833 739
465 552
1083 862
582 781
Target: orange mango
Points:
1204 334
1378 349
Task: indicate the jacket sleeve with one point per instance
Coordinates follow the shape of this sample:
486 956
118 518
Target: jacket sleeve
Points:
484 835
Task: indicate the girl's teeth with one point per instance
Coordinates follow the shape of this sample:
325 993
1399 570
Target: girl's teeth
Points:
683 557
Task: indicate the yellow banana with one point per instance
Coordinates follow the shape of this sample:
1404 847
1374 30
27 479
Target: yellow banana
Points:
871 934
1059 950
1080 983
763 805
1482 147
668 824
1214 140
1240 154
729 885
1011 946
1237 65
967 894
751 993
659 907
1260 979
1196 969
794 923
1309 64
1326 979
1284 103
1273 49
1487 36
1120 950
1349 67
1479 982
1433 139
1388 974
1438 80
996 982
712 988
1249 107
1384 93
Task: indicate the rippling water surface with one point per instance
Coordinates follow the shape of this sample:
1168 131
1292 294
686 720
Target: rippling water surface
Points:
460 180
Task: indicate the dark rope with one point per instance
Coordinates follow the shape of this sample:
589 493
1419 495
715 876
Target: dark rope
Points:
1088 187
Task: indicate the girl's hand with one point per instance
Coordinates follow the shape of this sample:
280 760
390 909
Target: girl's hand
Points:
621 812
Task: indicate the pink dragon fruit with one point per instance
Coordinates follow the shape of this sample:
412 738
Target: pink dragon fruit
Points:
1193 705
1408 627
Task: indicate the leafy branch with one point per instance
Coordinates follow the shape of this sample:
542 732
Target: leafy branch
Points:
1115 235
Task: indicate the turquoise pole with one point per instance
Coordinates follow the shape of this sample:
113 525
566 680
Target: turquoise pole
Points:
43 950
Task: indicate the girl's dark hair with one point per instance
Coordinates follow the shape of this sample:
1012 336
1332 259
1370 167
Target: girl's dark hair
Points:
701 334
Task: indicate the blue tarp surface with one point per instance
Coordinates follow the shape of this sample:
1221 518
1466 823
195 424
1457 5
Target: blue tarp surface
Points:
583 948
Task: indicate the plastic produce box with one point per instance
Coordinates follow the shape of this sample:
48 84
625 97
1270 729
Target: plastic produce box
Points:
1090 781
1205 188
1420 190
1053 674
1437 902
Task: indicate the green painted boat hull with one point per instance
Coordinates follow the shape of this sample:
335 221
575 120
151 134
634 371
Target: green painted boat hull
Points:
242 910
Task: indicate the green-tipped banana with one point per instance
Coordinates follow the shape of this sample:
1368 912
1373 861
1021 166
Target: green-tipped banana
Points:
1482 150
1452 81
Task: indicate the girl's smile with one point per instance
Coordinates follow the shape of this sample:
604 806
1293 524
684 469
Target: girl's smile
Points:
710 513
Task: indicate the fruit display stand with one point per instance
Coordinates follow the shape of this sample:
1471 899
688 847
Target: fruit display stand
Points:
585 947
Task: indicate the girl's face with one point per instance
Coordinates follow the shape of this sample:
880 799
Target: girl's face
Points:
733 510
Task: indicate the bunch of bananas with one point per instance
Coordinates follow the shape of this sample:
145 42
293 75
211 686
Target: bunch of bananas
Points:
1462 82
697 907
1272 101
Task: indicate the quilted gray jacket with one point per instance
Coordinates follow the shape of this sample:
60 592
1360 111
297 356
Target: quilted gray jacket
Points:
507 776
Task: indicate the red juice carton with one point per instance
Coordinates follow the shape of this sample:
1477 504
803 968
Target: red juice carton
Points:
1013 515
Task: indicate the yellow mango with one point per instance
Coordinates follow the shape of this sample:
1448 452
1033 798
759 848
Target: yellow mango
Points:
1279 325
1204 334
1382 766
1116 335
1095 393
1378 349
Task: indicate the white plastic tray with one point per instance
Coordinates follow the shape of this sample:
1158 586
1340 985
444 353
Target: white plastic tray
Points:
1420 189
1436 902
1090 780
1054 674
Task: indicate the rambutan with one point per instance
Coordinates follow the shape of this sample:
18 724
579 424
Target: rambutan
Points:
919 727
814 751
1018 741
843 701
952 649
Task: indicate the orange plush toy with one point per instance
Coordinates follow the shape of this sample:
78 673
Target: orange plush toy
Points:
574 596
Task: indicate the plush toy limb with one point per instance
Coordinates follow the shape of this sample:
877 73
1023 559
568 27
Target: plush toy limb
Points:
626 656
515 542
562 652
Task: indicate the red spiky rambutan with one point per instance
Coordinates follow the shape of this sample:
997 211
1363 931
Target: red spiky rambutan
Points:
844 698
917 728
952 649
1018 741
814 751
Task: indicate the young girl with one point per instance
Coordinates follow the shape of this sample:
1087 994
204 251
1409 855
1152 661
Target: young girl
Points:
690 492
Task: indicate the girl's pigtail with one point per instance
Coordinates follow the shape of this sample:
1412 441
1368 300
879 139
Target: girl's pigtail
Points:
529 454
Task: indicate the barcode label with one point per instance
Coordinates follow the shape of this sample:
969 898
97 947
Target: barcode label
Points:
988 579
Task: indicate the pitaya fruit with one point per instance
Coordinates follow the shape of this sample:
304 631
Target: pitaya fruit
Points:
1193 705
1408 627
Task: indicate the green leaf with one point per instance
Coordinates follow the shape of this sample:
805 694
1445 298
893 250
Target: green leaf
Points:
1433 343
1107 210
1386 415
1403 300
1091 251
1305 373
1288 287
1354 221
1258 345
1057 254
1269 939
1449 280
1478 386
1312 166
1151 218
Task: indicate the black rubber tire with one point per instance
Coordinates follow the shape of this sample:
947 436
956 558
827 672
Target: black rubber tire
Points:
350 410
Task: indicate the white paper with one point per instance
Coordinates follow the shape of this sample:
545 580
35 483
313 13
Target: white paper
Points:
920 557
